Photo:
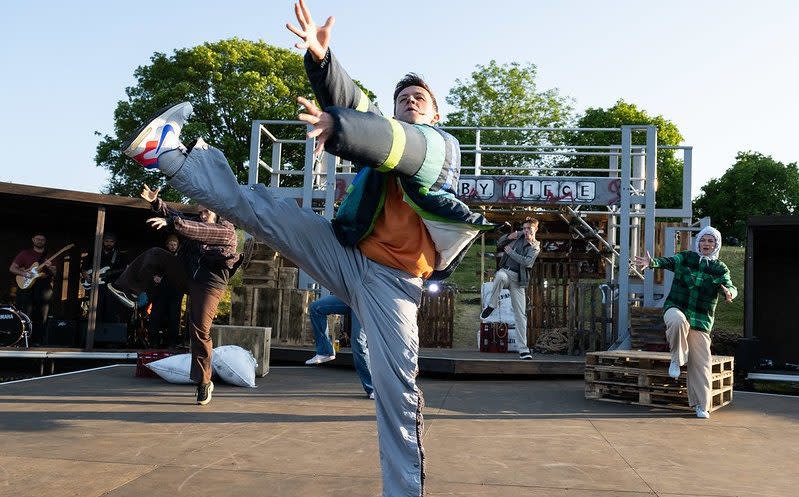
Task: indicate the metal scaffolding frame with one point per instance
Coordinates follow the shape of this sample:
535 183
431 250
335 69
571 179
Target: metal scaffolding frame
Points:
633 161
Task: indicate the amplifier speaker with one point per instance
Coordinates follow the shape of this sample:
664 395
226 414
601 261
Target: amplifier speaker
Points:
111 333
61 332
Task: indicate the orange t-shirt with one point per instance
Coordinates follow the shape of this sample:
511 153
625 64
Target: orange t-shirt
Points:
399 238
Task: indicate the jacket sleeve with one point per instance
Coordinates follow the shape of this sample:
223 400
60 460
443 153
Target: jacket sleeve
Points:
162 208
429 157
503 241
333 87
208 233
527 258
669 263
725 281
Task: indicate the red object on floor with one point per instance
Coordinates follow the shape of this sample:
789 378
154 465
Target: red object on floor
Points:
493 337
143 358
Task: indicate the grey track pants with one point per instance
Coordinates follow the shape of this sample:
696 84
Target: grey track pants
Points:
385 299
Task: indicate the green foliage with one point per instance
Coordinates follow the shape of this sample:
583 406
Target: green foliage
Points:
755 185
230 83
669 168
506 95
729 316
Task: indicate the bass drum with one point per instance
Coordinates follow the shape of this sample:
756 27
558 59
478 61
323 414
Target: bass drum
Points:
14 325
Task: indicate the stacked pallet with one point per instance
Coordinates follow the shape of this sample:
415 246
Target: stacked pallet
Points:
641 377
647 329
269 297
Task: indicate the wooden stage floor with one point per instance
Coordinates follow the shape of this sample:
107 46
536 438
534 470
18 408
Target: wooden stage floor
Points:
310 431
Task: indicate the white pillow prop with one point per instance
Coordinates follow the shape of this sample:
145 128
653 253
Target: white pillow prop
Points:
502 314
234 365
174 369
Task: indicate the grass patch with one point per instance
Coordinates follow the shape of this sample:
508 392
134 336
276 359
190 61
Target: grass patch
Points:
730 316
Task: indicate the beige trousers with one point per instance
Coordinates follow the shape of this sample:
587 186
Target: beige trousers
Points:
691 347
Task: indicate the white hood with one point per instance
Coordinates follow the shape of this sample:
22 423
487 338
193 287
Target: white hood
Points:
708 230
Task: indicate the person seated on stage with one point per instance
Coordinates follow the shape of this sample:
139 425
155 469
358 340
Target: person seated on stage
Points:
202 269
166 299
699 278
319 310
34 301
520 251
112 263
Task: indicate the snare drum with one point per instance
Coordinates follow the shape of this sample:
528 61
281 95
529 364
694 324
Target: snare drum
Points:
14 325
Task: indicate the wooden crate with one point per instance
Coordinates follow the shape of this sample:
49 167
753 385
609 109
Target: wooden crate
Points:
641 377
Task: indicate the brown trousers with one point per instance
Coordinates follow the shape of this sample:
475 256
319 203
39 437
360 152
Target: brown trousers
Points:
202 304
691 347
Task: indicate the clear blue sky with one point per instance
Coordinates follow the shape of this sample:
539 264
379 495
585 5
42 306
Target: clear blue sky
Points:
725 72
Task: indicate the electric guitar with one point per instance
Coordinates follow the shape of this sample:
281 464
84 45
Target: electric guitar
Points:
37 270
87 282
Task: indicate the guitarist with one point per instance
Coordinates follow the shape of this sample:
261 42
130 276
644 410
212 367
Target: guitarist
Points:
108 309
35 300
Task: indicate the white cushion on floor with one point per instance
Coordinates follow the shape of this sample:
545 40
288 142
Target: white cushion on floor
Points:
234 365
174 369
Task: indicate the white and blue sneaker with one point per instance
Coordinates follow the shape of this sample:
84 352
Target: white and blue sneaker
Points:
160 134
701 413
674 369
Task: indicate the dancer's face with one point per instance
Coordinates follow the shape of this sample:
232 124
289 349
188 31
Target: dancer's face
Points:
707 244
206 215
529 231
414 105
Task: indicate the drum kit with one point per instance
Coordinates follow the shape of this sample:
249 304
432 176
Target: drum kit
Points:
15 326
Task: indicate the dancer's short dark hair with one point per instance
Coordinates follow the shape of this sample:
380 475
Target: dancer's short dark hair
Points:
413 79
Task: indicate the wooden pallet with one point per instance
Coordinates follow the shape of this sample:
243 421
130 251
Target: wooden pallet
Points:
639 377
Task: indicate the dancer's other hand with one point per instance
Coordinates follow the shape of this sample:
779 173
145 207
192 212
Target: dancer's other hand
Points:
727 294
322 123
315 39
644 262
157 222
149 195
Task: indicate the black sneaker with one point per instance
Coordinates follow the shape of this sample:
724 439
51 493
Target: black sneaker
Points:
122 296
525 356
204 393
486 312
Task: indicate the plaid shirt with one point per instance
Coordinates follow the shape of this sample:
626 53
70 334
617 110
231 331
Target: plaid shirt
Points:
209 250
695 288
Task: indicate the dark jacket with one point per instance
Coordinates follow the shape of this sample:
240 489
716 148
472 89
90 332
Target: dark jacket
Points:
425 158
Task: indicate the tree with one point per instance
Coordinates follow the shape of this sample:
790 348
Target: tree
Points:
506 95
230 83
755 185
669 168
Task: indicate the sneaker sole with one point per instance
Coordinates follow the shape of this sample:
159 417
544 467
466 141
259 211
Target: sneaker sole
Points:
135 139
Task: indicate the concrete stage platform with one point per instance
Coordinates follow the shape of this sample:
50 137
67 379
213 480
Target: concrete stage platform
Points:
309 431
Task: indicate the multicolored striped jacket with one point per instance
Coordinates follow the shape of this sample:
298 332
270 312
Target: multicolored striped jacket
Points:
425 158
695 288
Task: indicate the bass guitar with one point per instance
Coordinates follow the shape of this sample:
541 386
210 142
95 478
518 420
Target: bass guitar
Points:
37 270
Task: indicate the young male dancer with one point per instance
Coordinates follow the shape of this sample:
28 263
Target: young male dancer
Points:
399 224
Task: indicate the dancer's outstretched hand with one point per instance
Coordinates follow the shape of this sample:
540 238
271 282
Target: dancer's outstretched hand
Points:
149 195
314 38
644 262
322 123
727 293
157 222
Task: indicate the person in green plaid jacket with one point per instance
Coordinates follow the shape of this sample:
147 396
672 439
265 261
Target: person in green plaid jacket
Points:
699 278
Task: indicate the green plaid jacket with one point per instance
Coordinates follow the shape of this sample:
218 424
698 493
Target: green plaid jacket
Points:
695 288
